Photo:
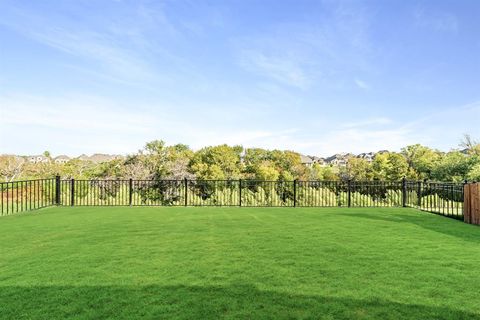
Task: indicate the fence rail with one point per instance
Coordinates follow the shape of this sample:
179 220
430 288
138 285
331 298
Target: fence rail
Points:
441 198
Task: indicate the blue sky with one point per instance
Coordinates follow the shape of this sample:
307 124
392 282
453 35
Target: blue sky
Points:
318 77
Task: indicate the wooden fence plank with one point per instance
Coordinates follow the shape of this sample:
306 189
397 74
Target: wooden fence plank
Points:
472 203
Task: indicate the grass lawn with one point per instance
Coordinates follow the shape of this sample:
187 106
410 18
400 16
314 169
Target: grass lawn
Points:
250 263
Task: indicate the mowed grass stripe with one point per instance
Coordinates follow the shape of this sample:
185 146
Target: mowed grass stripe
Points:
156 262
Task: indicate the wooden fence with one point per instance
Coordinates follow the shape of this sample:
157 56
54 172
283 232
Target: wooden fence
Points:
472 203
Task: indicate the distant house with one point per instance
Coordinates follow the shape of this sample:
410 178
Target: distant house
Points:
38 159
318 160
338 159
62 159
367 156
311 160
306 160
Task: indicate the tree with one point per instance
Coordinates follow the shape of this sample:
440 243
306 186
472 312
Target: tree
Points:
154 157
380 166
389 166
111 169
325 173
421 160
135 168
177 165
252 159
217 162
471 145
356 169
474 173
267 172
454 166
398 167
11 167
178 169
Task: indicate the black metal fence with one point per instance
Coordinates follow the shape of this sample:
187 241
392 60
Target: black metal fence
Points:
440 198
20 196
437 197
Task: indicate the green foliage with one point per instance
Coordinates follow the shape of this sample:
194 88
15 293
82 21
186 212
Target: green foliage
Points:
267 172
284 165
474 173
157 161
357 169
421 160
454 166
389 166
78 169
217 163
323 173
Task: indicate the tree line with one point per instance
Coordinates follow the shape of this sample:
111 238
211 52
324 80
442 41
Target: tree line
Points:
157 161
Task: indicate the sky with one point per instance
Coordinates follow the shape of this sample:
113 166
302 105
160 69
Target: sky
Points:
317 77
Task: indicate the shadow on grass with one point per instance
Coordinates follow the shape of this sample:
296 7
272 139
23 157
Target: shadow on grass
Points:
429 221
184 302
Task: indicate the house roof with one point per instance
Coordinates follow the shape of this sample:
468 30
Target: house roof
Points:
306 159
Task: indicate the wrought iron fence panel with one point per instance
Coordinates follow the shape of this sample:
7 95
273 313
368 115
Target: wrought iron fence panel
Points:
441 198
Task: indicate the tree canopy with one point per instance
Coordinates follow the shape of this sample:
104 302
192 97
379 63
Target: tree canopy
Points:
223 162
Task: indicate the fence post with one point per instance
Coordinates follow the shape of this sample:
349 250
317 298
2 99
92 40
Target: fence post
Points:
295 193
349 192
185 181
419 194
466 202
57 190
404 192
72 193
130 191
240 192
471 206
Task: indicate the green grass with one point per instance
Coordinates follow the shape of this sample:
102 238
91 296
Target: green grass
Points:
186 263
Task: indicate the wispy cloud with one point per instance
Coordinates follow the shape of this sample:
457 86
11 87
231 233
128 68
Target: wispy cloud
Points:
435 20
302 54
115 46
362 84
282 69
